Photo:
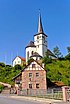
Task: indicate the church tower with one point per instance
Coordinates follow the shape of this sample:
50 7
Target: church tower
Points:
38 48
40 39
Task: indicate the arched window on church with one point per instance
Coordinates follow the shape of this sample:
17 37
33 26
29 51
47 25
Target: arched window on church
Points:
32 53
28 55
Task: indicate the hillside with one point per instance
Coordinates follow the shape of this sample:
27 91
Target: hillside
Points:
59 70
7 72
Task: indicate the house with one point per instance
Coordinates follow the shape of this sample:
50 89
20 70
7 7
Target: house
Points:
32 79
18 61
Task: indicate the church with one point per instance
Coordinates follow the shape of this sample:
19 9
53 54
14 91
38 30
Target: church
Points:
38 48
35 49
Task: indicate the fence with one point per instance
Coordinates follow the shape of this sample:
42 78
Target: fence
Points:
32 92
55 93
50 93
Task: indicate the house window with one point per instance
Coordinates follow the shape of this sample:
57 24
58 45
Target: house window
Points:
37 74
32 52
37 85
36 58
18 61
29 79
33 65
30 74
30 85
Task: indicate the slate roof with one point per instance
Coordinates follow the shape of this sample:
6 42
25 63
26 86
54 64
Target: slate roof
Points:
35 54
40 27
31 44
50 53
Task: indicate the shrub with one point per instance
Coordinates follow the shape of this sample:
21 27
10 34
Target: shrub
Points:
1 87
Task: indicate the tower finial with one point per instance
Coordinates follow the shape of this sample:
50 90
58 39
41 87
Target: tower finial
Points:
40 28
39 11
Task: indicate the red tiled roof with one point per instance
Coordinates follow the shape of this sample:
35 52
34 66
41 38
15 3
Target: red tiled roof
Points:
59 83
23 59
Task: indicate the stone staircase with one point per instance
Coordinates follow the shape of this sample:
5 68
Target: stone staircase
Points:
6 89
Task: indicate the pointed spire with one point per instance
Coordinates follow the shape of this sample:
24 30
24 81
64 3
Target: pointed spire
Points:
40 28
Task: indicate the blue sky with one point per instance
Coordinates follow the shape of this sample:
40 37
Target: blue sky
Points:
19 22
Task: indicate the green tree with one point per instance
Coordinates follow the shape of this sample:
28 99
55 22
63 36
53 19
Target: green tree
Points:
30 60
46 59
57 52
17 67
7 73
2 64
68 55
1 87
68 49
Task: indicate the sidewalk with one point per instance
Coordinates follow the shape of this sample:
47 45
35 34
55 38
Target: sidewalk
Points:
44 100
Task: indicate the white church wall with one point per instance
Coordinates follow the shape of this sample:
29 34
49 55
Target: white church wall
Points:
29 49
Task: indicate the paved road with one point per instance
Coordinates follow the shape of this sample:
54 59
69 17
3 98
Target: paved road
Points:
5 99
63 103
